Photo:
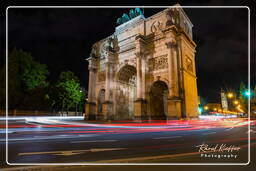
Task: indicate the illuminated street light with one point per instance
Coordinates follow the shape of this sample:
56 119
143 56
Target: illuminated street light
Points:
206 108
230 95
215 109
236 102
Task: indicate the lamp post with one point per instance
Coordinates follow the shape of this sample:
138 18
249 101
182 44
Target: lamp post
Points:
206 108
230 96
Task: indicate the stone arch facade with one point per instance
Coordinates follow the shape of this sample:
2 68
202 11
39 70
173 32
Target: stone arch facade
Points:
138 54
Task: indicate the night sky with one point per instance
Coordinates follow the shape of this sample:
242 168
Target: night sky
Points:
62 39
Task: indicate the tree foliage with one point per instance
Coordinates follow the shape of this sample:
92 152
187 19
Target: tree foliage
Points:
31 73
26 81
67 92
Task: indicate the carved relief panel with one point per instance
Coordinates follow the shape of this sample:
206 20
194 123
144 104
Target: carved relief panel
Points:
101 76
189 64
158 63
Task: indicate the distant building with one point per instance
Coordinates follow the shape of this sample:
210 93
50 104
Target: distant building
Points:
224 101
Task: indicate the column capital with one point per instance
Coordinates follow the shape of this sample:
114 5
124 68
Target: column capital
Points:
110 57
139 54
140 37
171 44
92 69
92 64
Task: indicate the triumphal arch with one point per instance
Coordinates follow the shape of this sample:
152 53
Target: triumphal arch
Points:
145 69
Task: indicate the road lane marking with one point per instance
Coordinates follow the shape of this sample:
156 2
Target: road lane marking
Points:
251 131
228 129
92 141
209 133
71 152
39 125
167 137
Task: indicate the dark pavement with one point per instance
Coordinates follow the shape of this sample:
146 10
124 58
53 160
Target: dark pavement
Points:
54 140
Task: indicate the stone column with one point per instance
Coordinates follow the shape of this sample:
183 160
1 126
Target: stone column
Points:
171 73
90 106
107 105
174 100
181 77
140 102
143 77
138 74
107 95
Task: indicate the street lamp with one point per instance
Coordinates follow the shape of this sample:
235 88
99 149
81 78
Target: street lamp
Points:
230 95
236 102
206 108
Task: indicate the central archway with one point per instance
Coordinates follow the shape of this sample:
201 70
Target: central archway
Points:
158 100
126 92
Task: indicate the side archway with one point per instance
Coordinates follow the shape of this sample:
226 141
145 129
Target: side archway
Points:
158 100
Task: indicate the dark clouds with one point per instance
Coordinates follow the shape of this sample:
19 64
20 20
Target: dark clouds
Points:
61 38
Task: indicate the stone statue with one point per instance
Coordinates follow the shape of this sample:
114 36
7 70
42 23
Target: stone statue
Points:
172 17
125 18
138 12
93 53
119 21
132 14
112 44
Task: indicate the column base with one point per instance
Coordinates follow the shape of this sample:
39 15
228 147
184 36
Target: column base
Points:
174 108
140 109
90 111
107 110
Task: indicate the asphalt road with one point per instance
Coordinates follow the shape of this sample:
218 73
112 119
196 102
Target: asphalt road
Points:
62 141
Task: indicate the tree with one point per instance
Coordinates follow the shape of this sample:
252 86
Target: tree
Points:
25 77
32 73
67 92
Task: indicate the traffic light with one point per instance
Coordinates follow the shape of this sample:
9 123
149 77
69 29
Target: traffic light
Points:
248 93
200 109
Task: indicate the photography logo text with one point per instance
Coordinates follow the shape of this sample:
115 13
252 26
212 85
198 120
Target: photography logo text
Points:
218 151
